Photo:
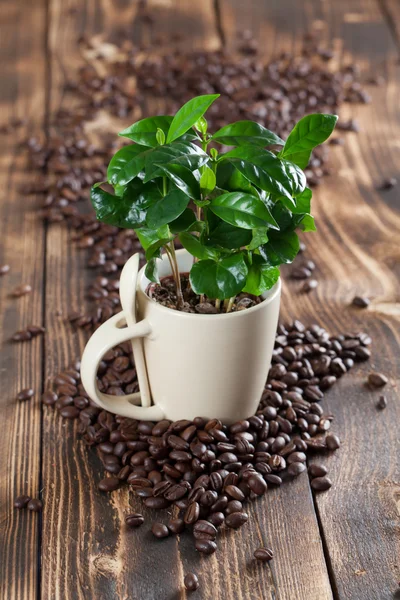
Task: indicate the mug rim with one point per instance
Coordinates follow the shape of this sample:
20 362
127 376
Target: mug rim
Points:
272 293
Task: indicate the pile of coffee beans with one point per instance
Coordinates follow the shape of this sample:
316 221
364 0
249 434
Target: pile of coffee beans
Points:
33 504
208 470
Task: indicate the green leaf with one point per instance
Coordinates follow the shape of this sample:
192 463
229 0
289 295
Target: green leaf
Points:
145 131
184 222
185 154
303 203
308 133
160 136
307 223
187 116
131 169
121 158
201 125
242 210
128 211
153 251
259 238
242 133
232 180
151 271
183 179
267 171
228 236
219 279
195 248
261 277
207 180
281 248
166 209
147 237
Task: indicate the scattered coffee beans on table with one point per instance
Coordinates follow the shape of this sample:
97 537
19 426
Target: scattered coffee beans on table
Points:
21 290
382 402
361 301
25 394
21 501
377 380
4 269
207 470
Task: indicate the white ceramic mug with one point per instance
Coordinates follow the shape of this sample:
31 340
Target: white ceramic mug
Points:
189 365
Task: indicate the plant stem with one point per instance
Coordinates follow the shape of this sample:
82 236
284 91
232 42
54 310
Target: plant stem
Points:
230 304
202 298
217 304
165 186
226 304
178 277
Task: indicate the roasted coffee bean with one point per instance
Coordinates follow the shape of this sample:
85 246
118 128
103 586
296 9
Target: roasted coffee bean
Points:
205 546
4 269
234 492
191 582
216 518
257 485
273 479
21 290
35 505
216 482
175 492
296 457
382 402
220 504
204 530
25 394
309 285
321 484
49 398
21 501
134 520
109 484
317 470
263 554
176 526
332 442
233 506
208 498
236 519
69 412
377 380
159 530
21 336
296 468
192 513
156 503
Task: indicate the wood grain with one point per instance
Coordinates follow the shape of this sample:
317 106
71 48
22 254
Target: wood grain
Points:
356 253
22 96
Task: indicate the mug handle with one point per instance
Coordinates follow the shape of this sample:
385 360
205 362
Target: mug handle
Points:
108 335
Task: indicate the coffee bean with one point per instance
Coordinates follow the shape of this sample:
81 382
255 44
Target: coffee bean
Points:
317 470
236 520
69 412
309 285
156 503
296 468
159 530
234 492
332 442
176 526
25 394
263 554
233 506
21 290
382 402
204 530
257 485
49 398
109 484
175 492
377 379
191 582
216 518
134 520
21 336
192 513
21 501
361 301
321 484
4 269
389 183
300 273
205 546
35 505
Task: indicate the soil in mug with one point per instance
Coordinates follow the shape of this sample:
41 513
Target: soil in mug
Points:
165 293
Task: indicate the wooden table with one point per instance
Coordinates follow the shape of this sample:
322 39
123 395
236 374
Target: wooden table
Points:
344 544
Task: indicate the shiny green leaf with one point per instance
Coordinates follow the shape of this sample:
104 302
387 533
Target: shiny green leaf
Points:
151 271
207 180
192 244
183 179
244 133
242 210
187 116
166 209
261 276
308 133
219 279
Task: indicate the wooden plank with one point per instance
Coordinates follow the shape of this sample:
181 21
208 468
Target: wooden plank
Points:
22 96
355 253
87 551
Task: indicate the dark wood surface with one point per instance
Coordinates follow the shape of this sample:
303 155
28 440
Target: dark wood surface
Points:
344 544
